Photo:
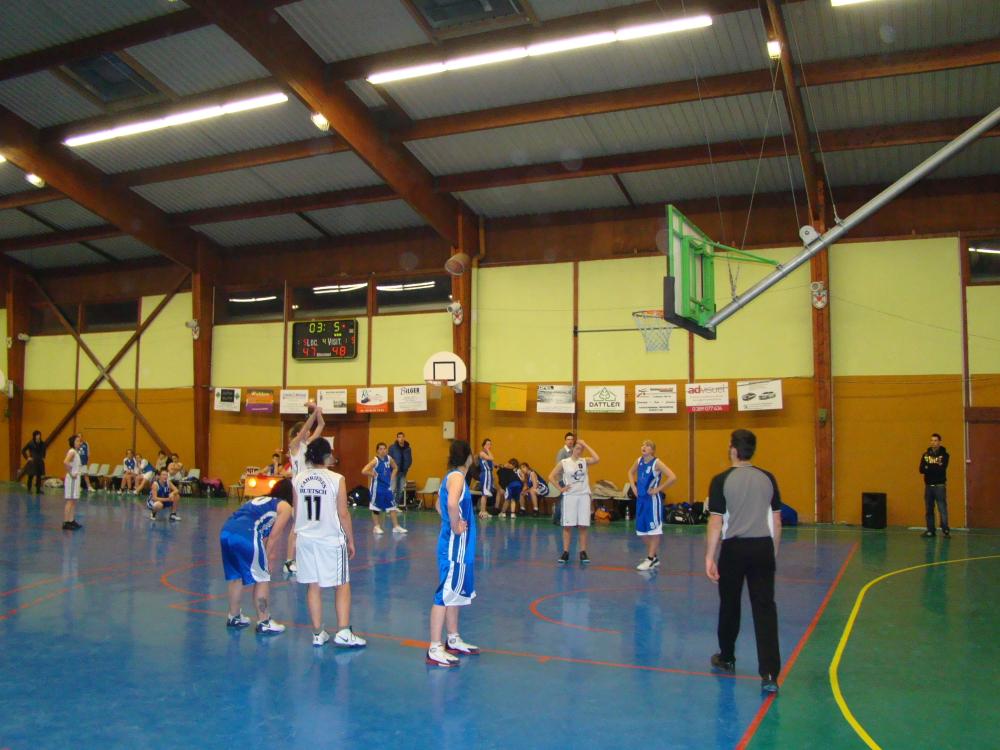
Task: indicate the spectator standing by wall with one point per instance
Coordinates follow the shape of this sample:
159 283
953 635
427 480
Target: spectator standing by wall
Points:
400 452
934 467
34 452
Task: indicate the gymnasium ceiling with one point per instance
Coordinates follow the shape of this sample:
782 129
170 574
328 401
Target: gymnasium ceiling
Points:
879 85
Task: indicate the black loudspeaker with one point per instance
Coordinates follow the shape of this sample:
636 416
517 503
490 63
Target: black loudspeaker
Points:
873 510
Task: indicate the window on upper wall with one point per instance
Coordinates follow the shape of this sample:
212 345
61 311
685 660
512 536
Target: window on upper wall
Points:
249 306
984 261
111 316
43 320
330 300
413 294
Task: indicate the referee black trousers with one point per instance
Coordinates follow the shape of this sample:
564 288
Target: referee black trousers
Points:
753 560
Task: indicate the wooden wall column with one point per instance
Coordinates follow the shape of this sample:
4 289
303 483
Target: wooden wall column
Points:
819 267
203 299
17 322
461 335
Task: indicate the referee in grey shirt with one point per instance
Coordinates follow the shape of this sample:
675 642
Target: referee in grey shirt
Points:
745 508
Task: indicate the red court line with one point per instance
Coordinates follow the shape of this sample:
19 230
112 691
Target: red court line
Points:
766 705
59 592
57 579
534 606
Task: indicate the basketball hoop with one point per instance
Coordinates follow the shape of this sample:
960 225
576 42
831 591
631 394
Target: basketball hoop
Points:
654 329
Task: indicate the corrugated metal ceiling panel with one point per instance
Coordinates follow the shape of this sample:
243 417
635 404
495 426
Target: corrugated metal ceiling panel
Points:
884 165
281 123
819 31
43 100
733 118
546 10
371 217
67 215
15 224
224 188
366 93
341 30
546 197
881 101
198 60
125 248
733 178
734 43
30 25
12 179
318 174
57 256
254 231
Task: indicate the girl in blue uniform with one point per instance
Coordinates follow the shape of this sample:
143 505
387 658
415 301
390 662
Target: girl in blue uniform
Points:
248 551
486 486
163 494
129 475
456 551
649 477
382 470
534 486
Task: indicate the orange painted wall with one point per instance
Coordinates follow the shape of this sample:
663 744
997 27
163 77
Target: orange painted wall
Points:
424 431
985 390
240 439
785 440
883 426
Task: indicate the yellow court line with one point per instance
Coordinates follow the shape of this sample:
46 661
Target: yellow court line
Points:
835 664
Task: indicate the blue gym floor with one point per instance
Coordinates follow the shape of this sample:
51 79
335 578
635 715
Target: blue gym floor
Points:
113 636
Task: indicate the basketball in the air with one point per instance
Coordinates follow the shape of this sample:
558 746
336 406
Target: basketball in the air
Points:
457 264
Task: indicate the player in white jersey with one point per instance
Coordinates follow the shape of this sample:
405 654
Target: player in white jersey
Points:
325 542
649 477
71 484
299 436
572 477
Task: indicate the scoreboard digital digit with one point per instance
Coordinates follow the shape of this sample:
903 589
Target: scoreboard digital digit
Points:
325 339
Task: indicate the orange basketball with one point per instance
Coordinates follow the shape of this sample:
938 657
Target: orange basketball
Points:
457 264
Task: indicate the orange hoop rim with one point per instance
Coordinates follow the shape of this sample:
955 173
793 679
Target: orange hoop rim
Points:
648 314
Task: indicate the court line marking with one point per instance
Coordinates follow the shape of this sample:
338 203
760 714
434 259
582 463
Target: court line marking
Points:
533 606
59 592
769 701
845 636
59 578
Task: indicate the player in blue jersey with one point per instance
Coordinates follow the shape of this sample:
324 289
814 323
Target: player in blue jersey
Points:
129 468
456 551
382 470
534 487
249 550
511 481
649 477
486 485
163 494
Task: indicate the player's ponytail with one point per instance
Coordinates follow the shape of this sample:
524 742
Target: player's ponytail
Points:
318 451
282 490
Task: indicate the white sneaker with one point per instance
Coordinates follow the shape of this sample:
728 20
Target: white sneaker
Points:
646 563
399 530
437 656
457 646
320 638
238 621
174 517
378 530
270 627
345 638
291 568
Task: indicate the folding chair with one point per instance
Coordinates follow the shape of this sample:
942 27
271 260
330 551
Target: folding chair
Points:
431 487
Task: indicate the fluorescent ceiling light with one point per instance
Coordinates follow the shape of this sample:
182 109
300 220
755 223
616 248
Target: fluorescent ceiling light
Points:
543 48
406 287
663 27
35 180
180 118
320 121
988 251
774 49
838 3
573 42
253 299
337 288
2 158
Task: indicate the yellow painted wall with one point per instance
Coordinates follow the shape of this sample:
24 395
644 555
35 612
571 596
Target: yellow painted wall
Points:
247 354
771 336
984 329
402 343
50 363
167 349
896 308
105 346
328 373
524 324
610 291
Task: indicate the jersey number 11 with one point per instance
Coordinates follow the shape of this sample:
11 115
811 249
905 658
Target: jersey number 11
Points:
310 500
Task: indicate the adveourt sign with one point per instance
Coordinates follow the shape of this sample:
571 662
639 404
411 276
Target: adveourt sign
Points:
706 396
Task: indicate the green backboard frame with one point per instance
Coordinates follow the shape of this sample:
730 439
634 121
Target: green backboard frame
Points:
689 287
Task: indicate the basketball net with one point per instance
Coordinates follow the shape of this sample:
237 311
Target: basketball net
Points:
654 329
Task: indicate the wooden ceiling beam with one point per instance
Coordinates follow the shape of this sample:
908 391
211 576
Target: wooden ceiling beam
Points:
812 172
61 237
270 39
29 198
84 183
